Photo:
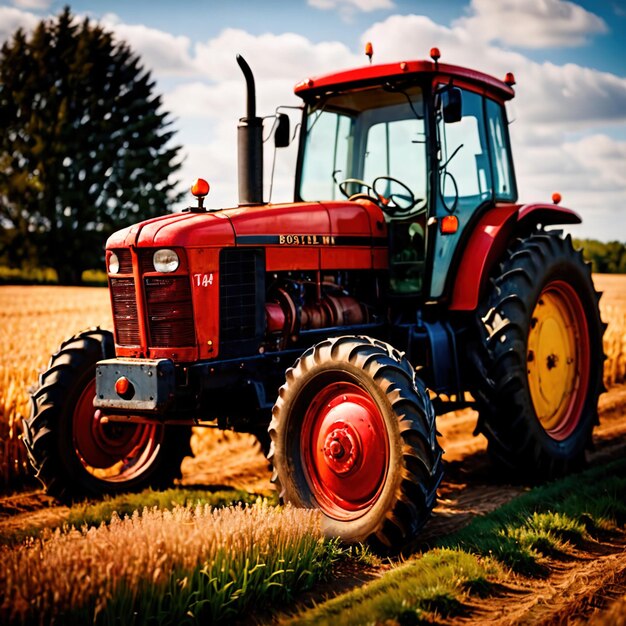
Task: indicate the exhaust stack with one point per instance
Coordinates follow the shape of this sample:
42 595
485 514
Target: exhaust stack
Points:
250 146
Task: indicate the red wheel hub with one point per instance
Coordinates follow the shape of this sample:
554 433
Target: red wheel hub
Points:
342 448
345 449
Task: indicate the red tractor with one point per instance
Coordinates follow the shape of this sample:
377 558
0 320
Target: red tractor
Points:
404 281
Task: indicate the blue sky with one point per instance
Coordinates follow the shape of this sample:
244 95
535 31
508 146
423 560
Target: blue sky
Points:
569 59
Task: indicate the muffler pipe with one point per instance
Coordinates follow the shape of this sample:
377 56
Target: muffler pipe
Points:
250 146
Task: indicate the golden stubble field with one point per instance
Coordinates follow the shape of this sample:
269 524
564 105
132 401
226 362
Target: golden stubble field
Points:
35 320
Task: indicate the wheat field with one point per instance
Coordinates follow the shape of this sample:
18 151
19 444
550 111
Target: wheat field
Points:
188 565
613 309
35 320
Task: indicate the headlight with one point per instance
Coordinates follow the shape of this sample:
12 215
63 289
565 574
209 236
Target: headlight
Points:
165 260
114 263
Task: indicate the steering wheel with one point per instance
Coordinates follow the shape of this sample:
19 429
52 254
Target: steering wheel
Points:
343 187
391 205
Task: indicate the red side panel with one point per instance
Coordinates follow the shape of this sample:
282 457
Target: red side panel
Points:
291 234
356 228
548 214
204 266
488 242
312 236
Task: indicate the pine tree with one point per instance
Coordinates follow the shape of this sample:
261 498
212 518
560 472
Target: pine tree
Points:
84 145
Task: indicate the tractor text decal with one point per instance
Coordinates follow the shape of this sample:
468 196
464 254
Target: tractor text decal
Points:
310 240
203 280
306 240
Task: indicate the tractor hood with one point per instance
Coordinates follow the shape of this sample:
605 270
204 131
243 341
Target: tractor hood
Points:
310 223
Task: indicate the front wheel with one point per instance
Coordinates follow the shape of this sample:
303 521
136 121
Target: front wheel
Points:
353 434
74 452
540 359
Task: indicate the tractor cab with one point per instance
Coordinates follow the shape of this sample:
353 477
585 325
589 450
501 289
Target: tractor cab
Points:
427 142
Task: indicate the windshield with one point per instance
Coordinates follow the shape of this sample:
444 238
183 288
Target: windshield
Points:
371 141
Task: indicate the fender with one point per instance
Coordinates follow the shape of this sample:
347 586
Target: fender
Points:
490 239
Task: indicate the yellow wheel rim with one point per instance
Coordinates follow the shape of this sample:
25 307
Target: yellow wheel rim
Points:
558 359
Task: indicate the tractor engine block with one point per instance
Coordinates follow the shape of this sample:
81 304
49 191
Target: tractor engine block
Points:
296 305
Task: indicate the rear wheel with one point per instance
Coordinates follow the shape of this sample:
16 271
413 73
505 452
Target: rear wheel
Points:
353 434
74 452
540 359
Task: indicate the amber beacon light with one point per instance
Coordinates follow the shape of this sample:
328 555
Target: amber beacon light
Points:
200 189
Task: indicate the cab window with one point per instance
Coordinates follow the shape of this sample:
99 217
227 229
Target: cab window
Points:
503 180
465 173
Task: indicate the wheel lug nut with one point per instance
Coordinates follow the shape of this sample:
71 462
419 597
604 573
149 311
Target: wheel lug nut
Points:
336 449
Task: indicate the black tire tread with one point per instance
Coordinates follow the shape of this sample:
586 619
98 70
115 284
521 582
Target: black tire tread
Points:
500 385
41 429
421 454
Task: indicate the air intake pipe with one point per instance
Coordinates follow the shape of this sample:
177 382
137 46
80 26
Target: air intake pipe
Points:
250 146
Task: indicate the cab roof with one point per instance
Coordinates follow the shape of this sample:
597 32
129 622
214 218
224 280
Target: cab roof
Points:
374 74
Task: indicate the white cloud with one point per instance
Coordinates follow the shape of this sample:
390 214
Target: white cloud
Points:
603 159
532 23
32 4
11 19
547 94
347 9
214 102
589 174
361 5
288 56
161 52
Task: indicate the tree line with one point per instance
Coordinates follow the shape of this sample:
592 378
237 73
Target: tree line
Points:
85 147
605 258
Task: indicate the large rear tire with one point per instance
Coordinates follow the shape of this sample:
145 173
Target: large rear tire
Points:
353 434
74 453
540 359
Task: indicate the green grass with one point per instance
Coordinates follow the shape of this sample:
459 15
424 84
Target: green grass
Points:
95 512
545 520
436 582
519 536
188 565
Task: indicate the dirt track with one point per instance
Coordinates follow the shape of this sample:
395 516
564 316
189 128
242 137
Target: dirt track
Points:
586 582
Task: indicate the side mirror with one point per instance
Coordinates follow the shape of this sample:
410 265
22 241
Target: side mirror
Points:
282 135
451 105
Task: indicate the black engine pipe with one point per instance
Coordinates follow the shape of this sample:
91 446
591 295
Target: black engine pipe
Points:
250 145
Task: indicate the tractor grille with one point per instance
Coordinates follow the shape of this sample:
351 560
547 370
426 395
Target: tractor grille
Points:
241 280
145 261
169 311
125 260
125 311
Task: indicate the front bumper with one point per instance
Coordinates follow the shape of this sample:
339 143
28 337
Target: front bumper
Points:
150 385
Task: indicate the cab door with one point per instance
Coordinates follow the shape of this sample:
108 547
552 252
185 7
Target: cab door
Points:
474 172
